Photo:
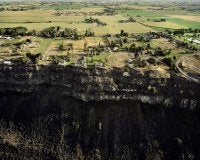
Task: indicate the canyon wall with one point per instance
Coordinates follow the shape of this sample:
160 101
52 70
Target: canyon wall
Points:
56 112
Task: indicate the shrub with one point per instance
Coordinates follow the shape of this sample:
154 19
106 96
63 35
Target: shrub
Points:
168 61
152 89
33 57
152 60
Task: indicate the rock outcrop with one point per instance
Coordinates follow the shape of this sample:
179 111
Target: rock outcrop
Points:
56 112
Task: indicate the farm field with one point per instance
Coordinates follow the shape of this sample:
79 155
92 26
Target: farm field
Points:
188 17
106 34
167 25
72 16
30 20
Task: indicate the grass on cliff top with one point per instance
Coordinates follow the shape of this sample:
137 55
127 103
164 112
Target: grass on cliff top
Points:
43 45
102 58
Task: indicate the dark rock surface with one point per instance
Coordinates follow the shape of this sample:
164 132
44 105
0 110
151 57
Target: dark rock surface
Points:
94 114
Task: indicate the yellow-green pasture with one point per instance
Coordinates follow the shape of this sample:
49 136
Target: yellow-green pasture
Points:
40 19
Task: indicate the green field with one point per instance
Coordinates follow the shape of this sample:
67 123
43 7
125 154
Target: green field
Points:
30 20
142 13
185 23
45 16
121 17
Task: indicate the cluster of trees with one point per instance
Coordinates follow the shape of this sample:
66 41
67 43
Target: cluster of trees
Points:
89 33
55 59
117 43
122 34
183 31
2 9
169 61
134 48
53 32
94 50
33 57
185 45
161 52
157 20
128 20
70 33
16 31
151 35
95 20
143 38
21 8
50 32
109 11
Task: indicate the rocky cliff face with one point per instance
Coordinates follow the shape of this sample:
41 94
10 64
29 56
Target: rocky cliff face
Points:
54 112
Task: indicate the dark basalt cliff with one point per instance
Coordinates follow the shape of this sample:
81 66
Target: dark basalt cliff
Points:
55 112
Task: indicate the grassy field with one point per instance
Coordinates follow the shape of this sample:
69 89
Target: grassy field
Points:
140 12
73 15
167 24
176 18
163 43
47 18
185 23
188 17
43 45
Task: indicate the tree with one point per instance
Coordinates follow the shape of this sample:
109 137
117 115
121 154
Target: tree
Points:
68 56
85 46
148 46
168 61
89 33
20 31
131 19
17 31
152 60
50 32
132 47
33 57
2 31
70 33
61 47
70 47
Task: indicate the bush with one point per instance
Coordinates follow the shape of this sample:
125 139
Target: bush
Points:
50 32
152 89
17 31
152 60
33 57
168 61
89 33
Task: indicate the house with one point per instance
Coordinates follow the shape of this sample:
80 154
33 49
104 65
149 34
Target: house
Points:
98 64
130 60
126 74
62 63
5 37
7 63
115 49
82 62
